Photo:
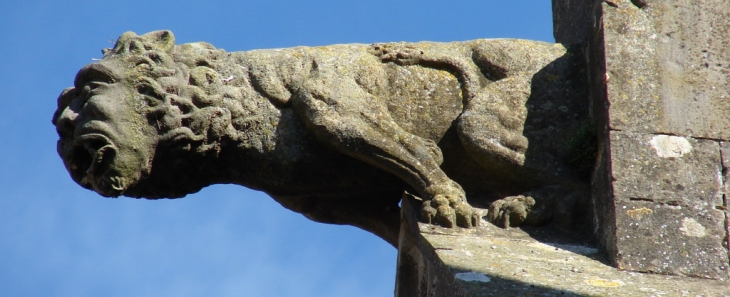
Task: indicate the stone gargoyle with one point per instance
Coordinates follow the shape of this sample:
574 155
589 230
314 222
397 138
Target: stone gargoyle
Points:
337 133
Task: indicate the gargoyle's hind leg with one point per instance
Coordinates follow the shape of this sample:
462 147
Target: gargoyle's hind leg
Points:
490 129
491 126
356 123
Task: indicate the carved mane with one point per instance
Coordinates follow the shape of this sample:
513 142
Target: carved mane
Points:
185 97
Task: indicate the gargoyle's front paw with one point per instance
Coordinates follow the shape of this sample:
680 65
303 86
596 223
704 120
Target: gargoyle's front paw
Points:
449 209
510 211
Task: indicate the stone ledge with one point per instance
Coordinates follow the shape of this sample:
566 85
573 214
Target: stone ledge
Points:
490 261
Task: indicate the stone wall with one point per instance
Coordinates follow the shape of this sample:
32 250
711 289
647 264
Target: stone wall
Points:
660 85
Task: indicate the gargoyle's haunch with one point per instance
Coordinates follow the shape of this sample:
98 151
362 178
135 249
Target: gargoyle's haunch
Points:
336 133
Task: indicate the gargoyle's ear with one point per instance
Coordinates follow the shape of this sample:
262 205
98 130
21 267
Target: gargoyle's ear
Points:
164 39
124 39
129 42
122 43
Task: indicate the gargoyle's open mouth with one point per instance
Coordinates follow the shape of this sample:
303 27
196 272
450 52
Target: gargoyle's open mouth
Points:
90 157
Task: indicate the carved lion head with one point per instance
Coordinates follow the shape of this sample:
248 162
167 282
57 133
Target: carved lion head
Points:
144 94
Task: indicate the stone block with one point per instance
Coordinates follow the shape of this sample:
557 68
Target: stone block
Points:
668 66
666 169
668 239
667 191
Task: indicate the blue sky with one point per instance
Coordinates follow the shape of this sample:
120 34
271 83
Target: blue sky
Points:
58 239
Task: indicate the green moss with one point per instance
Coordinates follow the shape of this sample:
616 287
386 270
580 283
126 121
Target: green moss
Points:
583 149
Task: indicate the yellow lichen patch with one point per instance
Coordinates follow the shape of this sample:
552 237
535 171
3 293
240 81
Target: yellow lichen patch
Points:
604 283
639 212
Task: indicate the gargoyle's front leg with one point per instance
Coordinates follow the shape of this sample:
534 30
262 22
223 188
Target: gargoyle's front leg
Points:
358 124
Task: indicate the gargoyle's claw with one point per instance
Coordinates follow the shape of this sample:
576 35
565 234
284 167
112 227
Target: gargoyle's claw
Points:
510 211
466 216
449 209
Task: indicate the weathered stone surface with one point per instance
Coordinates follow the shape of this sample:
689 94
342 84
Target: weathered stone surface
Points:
602 194
338 132
659 87
489 261
655 184
666 169
669 239
666 190
668 66
572 20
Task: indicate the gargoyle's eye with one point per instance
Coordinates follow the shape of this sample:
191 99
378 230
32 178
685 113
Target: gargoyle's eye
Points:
88 90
